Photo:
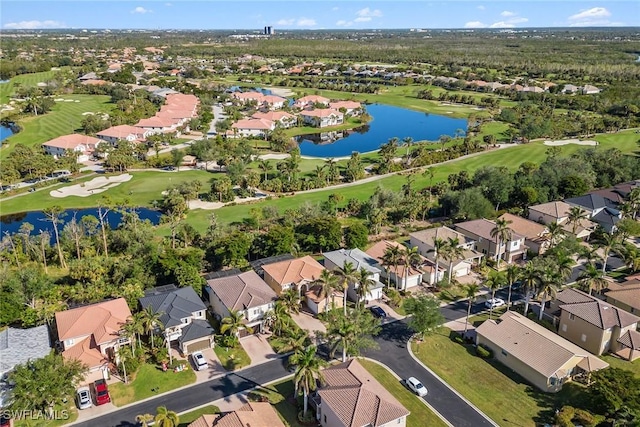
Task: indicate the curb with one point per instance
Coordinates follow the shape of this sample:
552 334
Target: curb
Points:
448 386
427 404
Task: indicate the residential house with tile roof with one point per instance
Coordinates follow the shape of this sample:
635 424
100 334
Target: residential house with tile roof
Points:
351 396
459 267
351 108
479 230
322 117
92 333
246 293
18 346
310 101
539 355
403 276
251 127
280 118
625 295
251 414
536 235
601 210
335 260
123 132
558 212
183 317
83 144
591 323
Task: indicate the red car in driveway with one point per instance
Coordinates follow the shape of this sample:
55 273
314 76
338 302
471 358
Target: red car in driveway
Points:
102 392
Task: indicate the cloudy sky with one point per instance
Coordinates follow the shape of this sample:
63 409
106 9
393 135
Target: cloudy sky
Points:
314 14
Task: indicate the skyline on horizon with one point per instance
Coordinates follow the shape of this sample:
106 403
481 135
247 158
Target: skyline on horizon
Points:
315 15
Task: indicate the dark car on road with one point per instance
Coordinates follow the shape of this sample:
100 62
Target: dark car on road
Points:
377 312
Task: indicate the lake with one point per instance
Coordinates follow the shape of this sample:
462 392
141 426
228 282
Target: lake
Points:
11 223
387 122
5 132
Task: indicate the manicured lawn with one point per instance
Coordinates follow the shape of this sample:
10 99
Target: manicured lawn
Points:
189 417
24 80
500 393
64 118
280 396
420 415
232 358
72 413
481 317
616 362
149 381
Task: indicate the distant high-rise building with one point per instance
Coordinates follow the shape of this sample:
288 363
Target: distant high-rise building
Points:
268 30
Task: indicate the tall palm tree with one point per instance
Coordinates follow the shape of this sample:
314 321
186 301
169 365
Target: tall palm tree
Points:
555 233
341 333
452 252
144 419
430 172
130 330
232 324
549 285
308 369
575 216
408 142
150 321
563 263
411 258
531 278
630 254
125 354
512 273
391 258
278 318
606 243
502 233
494 281
328 282
438 246
166 418
265 166
591 278
347 274
470 292
365 283
296 340
634 201
291 300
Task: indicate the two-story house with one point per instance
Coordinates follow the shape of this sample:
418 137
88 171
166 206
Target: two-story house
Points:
459 266
252 127
246 293
404 276
479 230
536 235
602 211
311 101
183 317
92 333
123 132
336 259
321 118
280 118
350 108
82 144
591 323
558 213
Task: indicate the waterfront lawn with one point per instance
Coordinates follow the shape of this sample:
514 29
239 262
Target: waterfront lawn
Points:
23 80
189 417
496 390
420 415
149 381
64 118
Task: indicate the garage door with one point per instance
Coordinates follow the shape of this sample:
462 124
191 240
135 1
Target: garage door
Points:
197 346
245 332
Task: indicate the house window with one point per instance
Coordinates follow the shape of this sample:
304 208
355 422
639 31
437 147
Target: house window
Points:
185 320
70 341
564 327
583 338
572 317
325 419
504 352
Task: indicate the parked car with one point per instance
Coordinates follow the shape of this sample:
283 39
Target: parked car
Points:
378 311
83 398
494 302
102 392
416 386
199 361
169 168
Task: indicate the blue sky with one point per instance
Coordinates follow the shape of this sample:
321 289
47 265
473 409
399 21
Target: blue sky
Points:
316 14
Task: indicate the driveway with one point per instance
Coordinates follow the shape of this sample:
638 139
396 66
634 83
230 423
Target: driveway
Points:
215 368
391 314
308 323
258 348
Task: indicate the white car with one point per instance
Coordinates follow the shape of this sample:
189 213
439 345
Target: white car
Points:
199 361
494 302
416 386
83 398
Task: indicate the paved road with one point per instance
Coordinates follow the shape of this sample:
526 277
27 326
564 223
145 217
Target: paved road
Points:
199 394
393 353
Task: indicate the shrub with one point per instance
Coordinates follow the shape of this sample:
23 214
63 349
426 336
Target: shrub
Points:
484 352
458 339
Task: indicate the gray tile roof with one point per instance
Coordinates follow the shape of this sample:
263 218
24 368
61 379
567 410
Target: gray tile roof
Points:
174 305
17 346
630 339
607 216
589 201
196 329
358 258
242 291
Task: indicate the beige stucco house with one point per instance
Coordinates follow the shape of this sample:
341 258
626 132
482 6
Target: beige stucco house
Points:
558 212
479 230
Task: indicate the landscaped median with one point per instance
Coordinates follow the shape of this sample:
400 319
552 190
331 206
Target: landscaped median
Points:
150 380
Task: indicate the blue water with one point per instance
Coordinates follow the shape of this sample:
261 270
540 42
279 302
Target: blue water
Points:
388 122
11 223
5 133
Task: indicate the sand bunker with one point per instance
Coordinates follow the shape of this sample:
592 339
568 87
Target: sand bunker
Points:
89 188
570 141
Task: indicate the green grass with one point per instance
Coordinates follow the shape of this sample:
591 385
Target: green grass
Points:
23 80
189 417
65 418
280 395
232 358
64 118
481 317
500 393
420 415
147 378
616 362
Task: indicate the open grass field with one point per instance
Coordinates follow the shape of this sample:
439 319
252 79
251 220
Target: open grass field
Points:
23 80
64 118
420 415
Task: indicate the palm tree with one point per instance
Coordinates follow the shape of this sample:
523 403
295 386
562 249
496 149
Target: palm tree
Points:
408 142
278 318
438 246
555 233
296 340
563 263
411 259
591 278
470 292
308 369
144 419
233 323
132 329
166 418
575 216
630 255
606 243
124 354
634 201
328 282
391 258
342 331
502 233
150 320
265 166
530 276
365 283
291 300
348 274
513 273
430 172
452 251
494 281
549 285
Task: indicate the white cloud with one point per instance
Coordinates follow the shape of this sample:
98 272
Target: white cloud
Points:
368 13
141 10
501 24
590 14
480 7
507 14
306 22
285 22
475 24
363 19
343 23
34 25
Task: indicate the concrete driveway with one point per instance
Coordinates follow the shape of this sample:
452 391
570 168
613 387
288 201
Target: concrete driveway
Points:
308 323
391 314
215 368
258 348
